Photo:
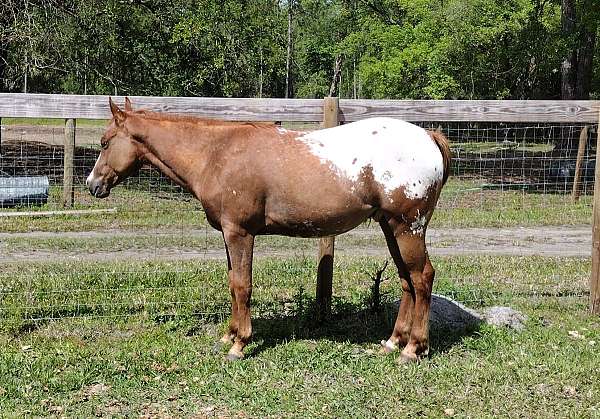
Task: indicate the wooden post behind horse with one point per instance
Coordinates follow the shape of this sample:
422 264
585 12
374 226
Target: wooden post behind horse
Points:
257 179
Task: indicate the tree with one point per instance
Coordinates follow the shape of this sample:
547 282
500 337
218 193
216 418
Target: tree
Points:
579 21
355 48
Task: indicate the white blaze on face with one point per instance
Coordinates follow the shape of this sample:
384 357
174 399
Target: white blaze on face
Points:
399 153
90 177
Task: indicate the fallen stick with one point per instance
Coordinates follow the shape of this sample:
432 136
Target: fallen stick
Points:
54 213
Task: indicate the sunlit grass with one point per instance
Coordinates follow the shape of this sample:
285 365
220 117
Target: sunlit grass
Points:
152 354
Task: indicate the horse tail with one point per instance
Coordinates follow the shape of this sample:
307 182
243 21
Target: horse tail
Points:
444 146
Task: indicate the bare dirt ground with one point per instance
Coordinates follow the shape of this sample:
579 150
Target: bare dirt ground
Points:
86 135
562 241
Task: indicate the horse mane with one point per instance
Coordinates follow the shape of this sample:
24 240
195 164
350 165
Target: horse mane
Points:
160 116
444 145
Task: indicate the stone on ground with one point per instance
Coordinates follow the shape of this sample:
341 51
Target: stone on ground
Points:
449 315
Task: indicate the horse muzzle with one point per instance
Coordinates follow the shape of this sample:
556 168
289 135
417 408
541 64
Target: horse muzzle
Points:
97 188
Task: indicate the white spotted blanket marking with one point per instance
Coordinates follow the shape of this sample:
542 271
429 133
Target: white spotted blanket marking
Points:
399 153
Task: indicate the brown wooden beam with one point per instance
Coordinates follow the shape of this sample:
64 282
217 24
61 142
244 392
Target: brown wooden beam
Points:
595 277
326 244
579 163
69 161
30 105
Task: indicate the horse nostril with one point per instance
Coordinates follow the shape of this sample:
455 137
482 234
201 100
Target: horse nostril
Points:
96 188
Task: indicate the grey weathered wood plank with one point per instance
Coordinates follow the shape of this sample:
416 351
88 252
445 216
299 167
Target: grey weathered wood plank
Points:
331 110
96 107
69 162
472 110
595 277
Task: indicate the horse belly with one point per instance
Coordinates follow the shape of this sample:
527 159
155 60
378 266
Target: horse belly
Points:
314 216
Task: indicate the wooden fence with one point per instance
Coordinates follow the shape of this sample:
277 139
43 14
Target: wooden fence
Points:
330 112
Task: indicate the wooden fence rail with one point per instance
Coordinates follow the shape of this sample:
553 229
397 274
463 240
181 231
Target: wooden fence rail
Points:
72 107
19 105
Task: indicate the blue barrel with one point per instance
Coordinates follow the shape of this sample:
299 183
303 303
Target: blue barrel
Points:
23 190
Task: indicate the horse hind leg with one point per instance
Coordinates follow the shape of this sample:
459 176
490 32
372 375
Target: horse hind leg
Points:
411 329
422 276
404 319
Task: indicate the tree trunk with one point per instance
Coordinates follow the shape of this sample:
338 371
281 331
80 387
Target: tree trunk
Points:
288 61
580 32
337 72
260 77
569 64
585 56
3 61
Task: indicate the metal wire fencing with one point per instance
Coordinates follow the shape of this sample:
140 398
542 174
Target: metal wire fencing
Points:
149 251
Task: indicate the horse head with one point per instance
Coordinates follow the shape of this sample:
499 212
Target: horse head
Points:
120 155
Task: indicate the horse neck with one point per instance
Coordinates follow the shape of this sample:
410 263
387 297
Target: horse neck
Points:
180 150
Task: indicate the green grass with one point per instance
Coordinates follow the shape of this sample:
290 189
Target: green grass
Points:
483 147
464 203
142 359
52 122
136 209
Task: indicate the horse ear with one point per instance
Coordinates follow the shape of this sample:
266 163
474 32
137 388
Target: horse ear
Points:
117 113
128 105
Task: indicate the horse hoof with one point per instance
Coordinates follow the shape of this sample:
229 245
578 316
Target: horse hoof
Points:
234 357
407 359
387 347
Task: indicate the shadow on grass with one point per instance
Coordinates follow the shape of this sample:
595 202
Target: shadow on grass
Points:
36 319
350 323
276 323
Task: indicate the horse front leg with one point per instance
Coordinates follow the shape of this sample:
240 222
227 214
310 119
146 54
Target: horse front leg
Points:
229 336
240 246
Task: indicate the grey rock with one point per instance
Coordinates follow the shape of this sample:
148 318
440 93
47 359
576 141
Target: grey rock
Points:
449 315
504 317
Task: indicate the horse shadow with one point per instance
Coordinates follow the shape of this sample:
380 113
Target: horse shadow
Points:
351 323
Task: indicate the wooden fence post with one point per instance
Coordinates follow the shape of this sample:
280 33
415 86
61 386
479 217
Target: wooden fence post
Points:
331 106
69 156
580 152
595 277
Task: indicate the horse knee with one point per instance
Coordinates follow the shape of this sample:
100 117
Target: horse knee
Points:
406 286
422 283
242 291
428 272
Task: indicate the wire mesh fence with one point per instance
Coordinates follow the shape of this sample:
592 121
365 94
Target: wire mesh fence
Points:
153 253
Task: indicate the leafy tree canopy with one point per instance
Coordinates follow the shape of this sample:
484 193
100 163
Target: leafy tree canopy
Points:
435 49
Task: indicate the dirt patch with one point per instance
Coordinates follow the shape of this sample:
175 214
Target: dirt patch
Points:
564 241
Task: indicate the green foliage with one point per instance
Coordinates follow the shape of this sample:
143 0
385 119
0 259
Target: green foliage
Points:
228 44
388 48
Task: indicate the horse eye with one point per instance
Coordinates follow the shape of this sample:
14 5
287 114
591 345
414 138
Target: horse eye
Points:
104 145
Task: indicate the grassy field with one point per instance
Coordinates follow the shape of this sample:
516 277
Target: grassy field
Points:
107 342
51 122
91 337
464 203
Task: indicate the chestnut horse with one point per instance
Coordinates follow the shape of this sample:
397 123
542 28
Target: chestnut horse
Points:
262 179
